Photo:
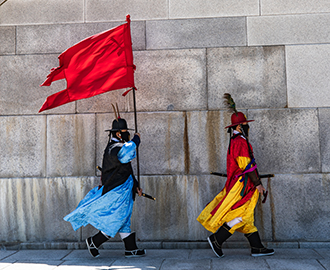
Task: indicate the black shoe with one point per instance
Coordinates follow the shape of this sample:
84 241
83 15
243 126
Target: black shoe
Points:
216 239
216 247
135 253
131 249
257 248
258 252
93 250
94 242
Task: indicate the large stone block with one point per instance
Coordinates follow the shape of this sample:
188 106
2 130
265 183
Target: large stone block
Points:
163 148
196 33
308 197
70 145
324 119
33 208
7 40
20 78
113 10
179 201
207 141
288 29
56 38
214 8
37 12
171 80
286 140
306 88
269 7
22 143
254 76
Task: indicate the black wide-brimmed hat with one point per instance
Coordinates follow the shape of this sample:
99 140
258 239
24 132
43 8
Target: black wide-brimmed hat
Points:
119 123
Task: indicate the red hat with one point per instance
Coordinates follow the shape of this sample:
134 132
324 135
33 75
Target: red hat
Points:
238 118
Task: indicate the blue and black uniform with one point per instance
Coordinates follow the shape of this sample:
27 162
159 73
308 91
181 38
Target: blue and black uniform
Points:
109 208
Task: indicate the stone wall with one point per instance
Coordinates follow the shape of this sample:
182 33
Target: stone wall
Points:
271 55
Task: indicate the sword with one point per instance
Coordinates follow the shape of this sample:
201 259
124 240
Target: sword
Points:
261 175
265 193
143 194
148 196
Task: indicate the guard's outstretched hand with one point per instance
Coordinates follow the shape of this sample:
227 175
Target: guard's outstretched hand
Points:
260 188
139 191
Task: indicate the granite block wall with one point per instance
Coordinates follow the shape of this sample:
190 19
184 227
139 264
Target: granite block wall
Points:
271 55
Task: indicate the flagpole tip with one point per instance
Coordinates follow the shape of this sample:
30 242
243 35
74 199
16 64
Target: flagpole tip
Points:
128 18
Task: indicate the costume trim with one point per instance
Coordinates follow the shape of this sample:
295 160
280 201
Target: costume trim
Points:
249 168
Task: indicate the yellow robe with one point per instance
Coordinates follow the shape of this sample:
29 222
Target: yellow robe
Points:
225 213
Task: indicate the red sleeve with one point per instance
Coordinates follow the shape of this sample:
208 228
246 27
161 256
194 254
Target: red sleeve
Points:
240 148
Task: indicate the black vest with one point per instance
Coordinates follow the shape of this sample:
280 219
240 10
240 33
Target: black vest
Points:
113 170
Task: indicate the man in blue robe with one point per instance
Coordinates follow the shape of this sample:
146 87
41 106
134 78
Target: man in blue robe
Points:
109 208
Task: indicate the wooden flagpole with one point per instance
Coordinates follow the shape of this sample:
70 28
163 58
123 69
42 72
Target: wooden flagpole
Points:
137 149
136 131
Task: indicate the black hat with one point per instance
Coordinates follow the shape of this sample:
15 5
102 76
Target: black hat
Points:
119 123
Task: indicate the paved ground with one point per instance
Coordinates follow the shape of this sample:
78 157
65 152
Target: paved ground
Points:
164 259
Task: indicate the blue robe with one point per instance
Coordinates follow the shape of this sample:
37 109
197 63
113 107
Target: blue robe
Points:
111 212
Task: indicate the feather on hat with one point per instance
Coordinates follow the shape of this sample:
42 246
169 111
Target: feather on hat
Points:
237 117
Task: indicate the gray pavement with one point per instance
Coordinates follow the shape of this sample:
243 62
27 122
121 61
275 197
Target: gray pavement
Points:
164 259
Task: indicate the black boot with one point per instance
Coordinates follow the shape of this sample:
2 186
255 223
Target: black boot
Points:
94 242
131 249
257 248
216 239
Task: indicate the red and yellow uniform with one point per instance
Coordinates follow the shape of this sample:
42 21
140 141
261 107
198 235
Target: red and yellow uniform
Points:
238 198
233 208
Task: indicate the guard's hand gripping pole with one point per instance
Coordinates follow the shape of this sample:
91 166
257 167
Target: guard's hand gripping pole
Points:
143 194
265 193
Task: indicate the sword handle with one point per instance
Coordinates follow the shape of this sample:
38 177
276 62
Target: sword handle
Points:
148 196
265 193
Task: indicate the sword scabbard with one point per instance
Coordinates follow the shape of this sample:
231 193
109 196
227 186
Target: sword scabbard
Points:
219 174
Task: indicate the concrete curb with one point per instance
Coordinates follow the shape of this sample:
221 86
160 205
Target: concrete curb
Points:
159 245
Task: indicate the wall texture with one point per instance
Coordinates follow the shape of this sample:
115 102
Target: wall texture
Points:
272 55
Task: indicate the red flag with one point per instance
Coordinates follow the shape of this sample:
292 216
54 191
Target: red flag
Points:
96 65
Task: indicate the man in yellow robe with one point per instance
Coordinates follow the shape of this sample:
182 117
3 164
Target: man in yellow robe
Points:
233 208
